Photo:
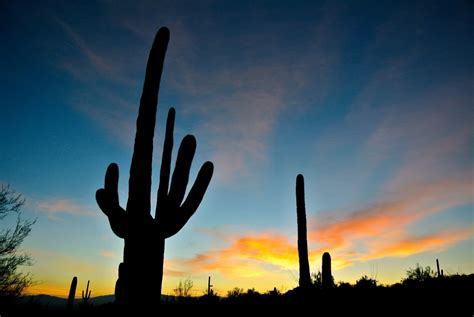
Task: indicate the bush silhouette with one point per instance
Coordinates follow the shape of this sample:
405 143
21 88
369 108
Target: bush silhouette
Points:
141 272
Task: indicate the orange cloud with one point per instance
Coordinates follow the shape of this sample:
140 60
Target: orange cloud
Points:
413 245
248 256
364 228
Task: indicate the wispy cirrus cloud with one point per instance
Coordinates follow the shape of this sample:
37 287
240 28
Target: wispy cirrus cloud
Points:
56 206
236 97
93 58
102 70
108 254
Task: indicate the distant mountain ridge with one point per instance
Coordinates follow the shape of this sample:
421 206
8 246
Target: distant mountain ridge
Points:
53 301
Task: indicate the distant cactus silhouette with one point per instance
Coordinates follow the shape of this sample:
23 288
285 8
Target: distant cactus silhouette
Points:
440 272
209 287
72 294
141 272
305 277
327 280
87 295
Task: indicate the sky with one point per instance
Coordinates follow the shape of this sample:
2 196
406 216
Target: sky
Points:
372 101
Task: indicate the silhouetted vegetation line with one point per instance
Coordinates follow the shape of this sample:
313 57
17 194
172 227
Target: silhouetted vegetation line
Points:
141 272
414 295
72 294
305 276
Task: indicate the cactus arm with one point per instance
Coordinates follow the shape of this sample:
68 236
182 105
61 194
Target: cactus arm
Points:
166 163
180 178
87 294
171 213
108 201
139 192
178 219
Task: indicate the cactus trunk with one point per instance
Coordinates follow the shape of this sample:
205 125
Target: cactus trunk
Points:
141 272
305 278
72 294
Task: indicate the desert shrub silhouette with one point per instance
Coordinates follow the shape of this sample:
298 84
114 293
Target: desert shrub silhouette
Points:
141 272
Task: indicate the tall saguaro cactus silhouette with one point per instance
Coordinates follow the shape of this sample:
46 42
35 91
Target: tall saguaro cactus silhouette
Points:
141 272
305 278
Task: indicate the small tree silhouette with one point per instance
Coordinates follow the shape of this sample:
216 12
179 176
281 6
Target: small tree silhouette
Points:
366 282
318 280
12 281
141 272
418 274
184 288
235 292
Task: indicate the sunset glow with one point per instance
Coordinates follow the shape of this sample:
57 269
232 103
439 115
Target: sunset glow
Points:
371 103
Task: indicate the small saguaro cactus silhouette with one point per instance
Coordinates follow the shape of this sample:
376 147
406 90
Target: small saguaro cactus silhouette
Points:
87 294
72 294
141 272
305 277
440 272
327 280
209 287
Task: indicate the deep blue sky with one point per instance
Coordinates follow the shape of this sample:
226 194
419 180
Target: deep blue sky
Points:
370 100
